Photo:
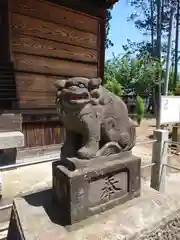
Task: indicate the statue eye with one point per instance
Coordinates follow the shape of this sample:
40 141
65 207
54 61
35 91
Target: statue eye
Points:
81 85
69 84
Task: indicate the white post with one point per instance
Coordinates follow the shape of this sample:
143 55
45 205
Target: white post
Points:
159 157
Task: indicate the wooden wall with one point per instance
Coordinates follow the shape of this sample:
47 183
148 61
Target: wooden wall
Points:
43 133
50 42
47 43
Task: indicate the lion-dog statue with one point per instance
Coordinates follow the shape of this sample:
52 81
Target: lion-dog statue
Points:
96 121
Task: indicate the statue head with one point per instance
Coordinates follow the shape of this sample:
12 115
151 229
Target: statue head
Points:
76 92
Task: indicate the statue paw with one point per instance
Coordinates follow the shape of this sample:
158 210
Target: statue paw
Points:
109 149
86 153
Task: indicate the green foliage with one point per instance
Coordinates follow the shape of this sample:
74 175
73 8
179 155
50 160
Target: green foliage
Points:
115 87
124 74
142 67
146 18
132 73
139 109
176 91
140 49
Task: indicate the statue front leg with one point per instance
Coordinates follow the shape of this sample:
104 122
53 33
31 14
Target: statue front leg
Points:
91 137
68 149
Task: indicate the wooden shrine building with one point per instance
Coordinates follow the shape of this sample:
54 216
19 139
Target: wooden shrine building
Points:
42 41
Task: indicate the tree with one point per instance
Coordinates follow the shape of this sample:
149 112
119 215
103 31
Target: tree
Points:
132 73
166 83
155 18
139 109
139 49
108 42
115 87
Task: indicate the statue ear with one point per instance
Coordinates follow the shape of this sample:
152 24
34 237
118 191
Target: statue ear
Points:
60 84
95 82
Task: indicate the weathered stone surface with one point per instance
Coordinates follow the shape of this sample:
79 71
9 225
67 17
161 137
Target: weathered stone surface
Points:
10 122
88 191
96 121
151 216
11 140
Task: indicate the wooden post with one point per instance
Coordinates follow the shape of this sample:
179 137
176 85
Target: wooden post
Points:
159 157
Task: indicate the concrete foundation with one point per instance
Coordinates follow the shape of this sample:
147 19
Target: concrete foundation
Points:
151 216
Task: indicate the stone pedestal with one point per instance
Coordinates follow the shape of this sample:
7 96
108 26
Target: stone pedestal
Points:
97 187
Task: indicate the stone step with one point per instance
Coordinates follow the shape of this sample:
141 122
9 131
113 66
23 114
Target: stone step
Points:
11 140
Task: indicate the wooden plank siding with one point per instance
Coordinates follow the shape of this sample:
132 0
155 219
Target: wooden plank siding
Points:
42 65
55 14
50 44
42 134
49 41
47 30
47 48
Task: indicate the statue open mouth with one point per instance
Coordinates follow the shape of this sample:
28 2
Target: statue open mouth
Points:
73 96
77 96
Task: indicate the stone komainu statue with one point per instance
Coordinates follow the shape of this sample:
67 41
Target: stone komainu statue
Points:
96 121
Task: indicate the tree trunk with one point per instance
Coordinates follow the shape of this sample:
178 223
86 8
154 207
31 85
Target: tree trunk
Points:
158 40
152 26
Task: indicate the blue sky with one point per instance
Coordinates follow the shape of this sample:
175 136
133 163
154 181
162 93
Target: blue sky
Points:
121 29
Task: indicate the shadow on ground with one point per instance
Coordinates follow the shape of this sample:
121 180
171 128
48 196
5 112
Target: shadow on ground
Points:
8 156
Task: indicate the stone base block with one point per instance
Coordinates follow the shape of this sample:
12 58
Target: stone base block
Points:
10 122
96 188
11 140
151 216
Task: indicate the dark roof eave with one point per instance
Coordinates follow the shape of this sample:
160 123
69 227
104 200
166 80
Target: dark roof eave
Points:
105 3
110 3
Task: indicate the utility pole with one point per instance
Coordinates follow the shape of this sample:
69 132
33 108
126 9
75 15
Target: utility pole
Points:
158 55
176 46
166 82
